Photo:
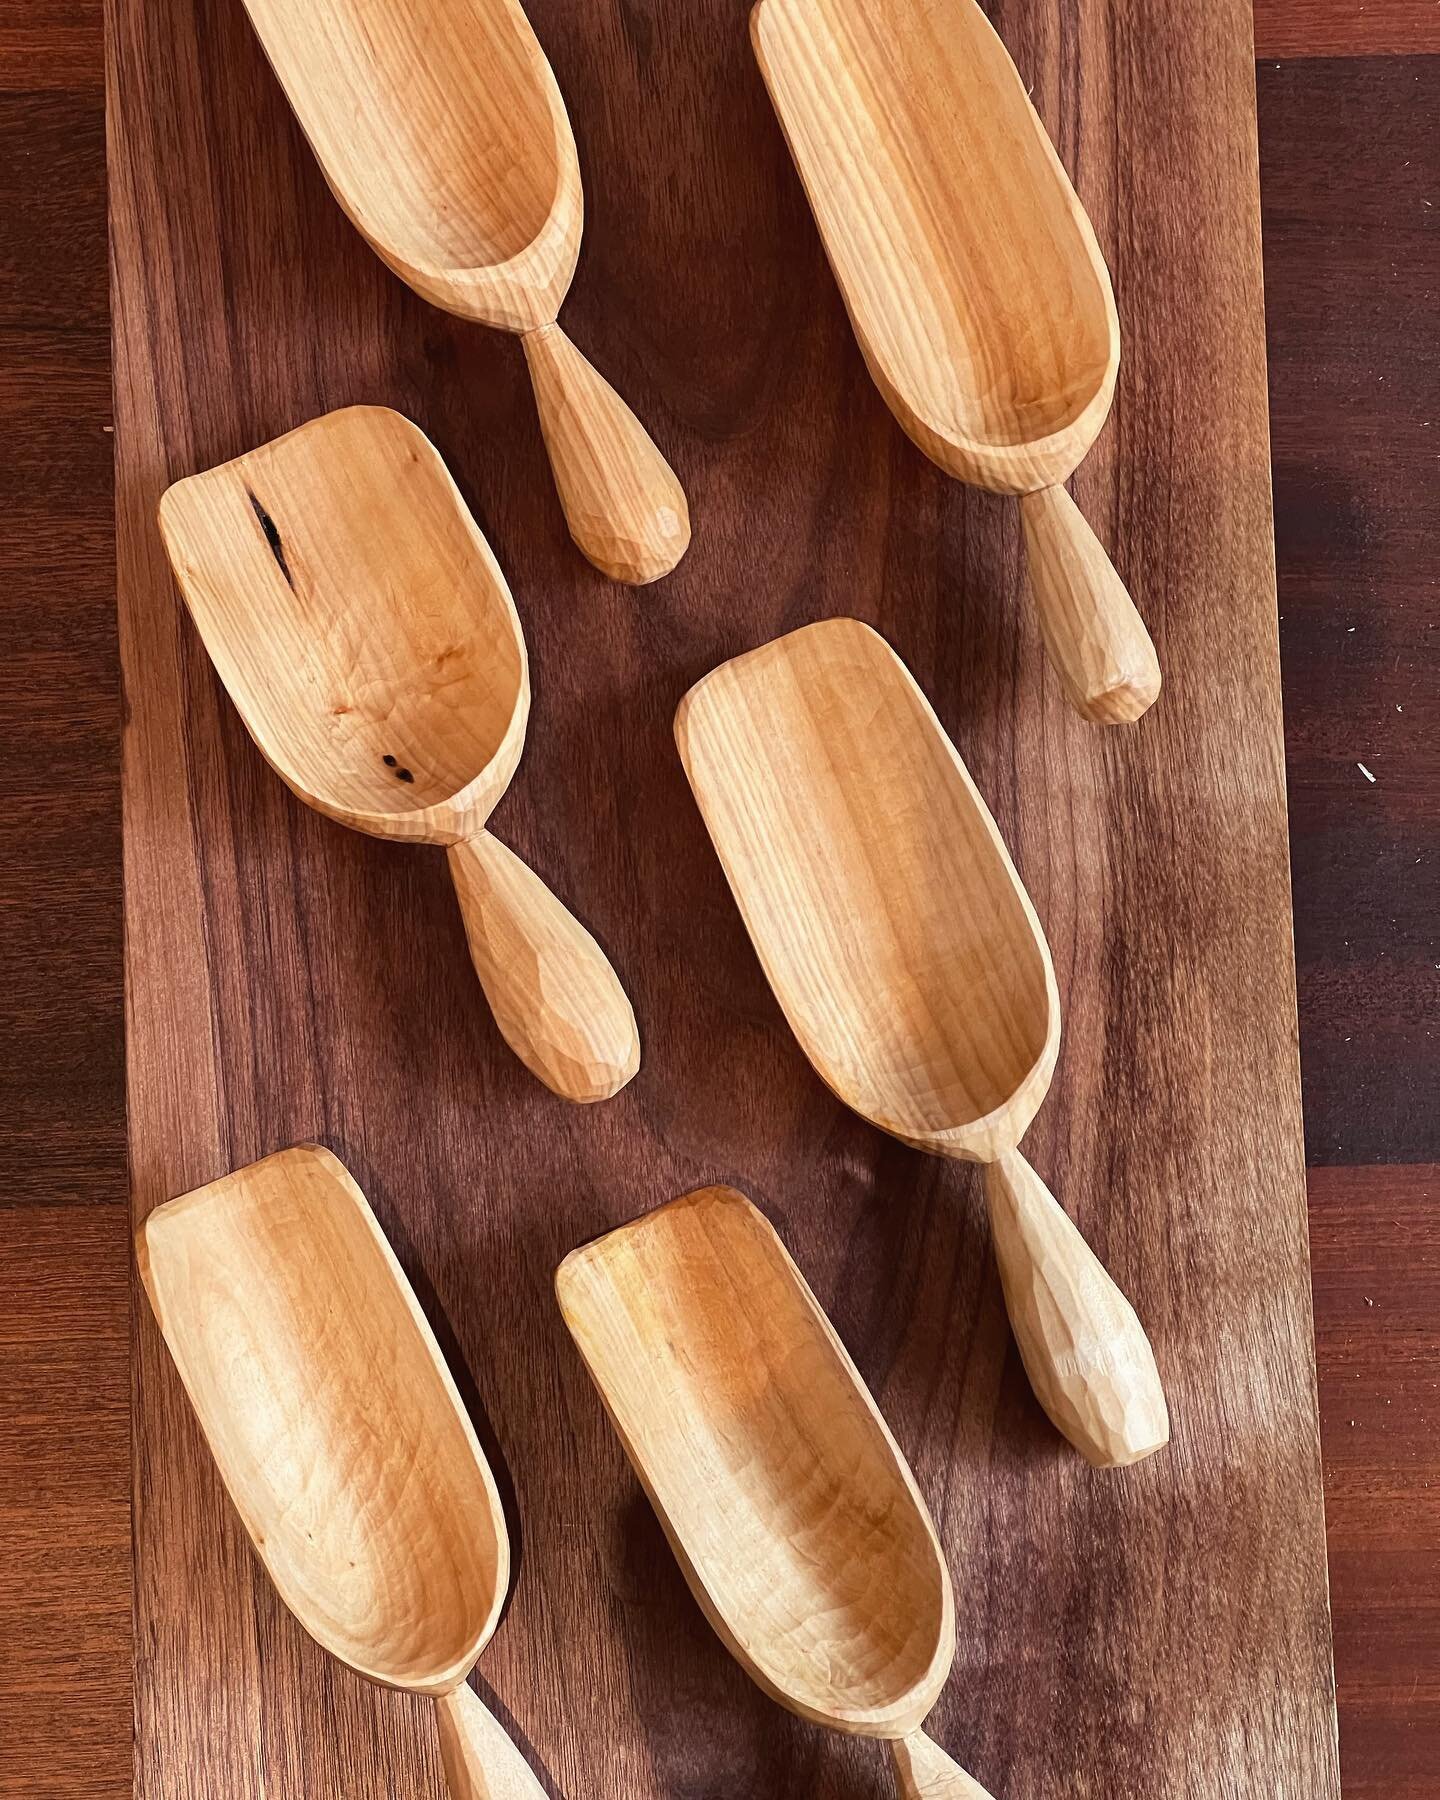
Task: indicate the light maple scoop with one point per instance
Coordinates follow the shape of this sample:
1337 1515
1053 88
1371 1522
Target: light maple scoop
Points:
368 639
786 1500
974 283
908 959
340 1437
442 133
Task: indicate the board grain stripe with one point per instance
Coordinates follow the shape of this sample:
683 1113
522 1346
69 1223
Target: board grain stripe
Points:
1294 29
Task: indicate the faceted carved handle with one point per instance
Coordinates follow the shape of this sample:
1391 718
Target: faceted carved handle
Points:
559 1004
1097 642
625 509
1086 1353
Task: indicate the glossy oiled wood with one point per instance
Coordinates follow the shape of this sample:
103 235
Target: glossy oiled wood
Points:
973 281
254 922
363 628
787 1501
441 131
908 958
338 1431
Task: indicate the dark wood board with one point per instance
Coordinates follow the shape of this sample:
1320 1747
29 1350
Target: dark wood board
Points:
1350 183
1341 28
61 1124
1375 1234
65 1665
1161 1631
1349 155
64 1285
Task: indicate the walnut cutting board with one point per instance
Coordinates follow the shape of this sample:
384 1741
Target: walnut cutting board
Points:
1160 1632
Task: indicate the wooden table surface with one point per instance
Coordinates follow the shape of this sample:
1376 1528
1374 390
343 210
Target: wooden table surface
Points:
1350 146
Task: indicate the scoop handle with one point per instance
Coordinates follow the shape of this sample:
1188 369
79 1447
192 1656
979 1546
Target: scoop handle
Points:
1097 641
559 1004
1086 1353
625 509
480 1761
924 1772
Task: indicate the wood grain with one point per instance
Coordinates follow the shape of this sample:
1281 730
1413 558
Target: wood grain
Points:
1336 28
444 137
979 297
54 46
65 1497
61 1104
790 1508
321 1391
65 1647
1375 1238
907 958
1163 1629
788 1504
1350 153
365 633
1352 262
337 1429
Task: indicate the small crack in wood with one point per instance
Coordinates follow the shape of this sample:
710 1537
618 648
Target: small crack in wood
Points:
272 536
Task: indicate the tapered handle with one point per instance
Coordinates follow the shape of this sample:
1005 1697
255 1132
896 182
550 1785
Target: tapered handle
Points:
1097 641
480 1761
924 1772
559 1005
624 507
1087 1355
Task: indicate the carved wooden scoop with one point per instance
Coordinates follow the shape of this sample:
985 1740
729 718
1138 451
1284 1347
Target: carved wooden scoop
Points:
366 635
340 1437
442 133
908 959
973 281
789 1507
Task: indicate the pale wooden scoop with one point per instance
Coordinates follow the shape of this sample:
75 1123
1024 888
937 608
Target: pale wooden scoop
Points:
339 1435
442 133
974 283
368 639
909 961
787 1502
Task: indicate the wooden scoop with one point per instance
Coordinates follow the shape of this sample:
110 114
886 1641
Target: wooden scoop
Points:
973 281
340 1437
909 961
366 635
442 133
788 1504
